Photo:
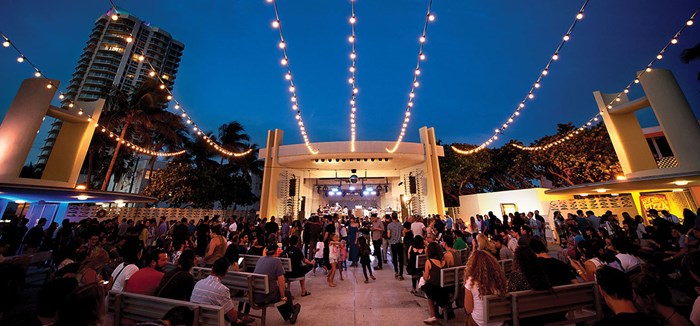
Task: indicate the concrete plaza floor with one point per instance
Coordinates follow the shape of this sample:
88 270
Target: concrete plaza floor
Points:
386 301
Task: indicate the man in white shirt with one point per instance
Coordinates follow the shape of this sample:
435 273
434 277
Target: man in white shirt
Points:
418 228
122 273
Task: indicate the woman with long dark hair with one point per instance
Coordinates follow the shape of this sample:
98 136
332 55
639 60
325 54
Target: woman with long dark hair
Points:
431 274
527 273
416 249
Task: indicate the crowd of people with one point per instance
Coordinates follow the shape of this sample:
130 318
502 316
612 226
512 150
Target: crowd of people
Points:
633 261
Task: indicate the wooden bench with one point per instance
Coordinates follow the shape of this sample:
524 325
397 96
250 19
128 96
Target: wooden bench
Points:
249 262
451 279
251 284
422 259
129 308
563 299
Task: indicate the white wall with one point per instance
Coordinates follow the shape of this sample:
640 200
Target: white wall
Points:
527 200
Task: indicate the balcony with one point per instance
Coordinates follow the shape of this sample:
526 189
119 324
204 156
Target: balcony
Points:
666 162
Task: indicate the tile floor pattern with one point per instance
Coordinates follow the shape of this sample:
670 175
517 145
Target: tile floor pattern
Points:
386 301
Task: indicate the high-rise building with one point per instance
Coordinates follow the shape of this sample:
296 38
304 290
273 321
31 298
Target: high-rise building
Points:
111 58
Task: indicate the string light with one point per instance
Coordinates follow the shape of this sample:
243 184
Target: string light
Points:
277 24
188 119
618 97
429 17
535 86
352 80
134 147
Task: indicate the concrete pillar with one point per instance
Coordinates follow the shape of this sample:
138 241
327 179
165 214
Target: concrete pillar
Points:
626 135
270 183
676 118
434 199
21 123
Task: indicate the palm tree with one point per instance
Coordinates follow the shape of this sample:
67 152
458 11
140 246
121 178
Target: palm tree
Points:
233 137
145 103
691 54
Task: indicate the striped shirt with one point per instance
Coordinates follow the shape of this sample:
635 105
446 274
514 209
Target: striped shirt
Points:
210 291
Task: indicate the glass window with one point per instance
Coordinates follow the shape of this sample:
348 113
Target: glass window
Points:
664 147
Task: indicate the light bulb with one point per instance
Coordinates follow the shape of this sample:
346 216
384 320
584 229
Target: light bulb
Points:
353 55
626 91
294 98
141 58
636 81
37 74
162 86
531 96
422 39
152 73
537 85
275 23
6 44
189 121
521 105
71 105
49 86
351 80
555 57
170 97
353 20
284 62
80 112
352 69
177 106
355 90
648 69
292 89
422 56
431 17
674 41
129 39
410 104
416 84
417 72
517 112
288 76
115 17
689 22
20 59
579 16
281 45
545 72
60 97
183 114
617 99
659 57
351 39
412 95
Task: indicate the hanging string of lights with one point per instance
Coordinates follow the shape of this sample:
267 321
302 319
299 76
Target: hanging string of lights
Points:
184 115
531 93
429 17
70 104
134 147
288 76
353 80
659 56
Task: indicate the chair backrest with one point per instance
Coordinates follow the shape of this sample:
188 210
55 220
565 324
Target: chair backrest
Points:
506 265
249 262
200 272
449 277
420 261
138 308
524 304
240 281
563 298
464 255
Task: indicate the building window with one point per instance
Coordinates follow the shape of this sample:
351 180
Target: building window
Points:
664 147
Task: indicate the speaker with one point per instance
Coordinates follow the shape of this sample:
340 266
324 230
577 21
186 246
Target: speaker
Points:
292 187
412 188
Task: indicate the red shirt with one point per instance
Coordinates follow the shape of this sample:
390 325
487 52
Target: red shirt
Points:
145 281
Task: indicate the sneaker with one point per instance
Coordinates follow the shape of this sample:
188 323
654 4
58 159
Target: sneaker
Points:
295 315
430 321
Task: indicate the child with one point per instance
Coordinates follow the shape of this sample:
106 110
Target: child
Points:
364 258
333 256
318 257
343 257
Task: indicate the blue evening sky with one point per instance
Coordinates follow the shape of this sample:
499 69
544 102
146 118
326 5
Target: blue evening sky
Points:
483 56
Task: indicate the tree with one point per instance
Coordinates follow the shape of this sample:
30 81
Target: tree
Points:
138 109
691 54
173 185
588 157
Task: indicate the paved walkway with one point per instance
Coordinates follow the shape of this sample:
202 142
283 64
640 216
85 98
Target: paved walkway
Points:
386 301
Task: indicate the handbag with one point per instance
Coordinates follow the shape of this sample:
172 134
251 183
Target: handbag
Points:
421 282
